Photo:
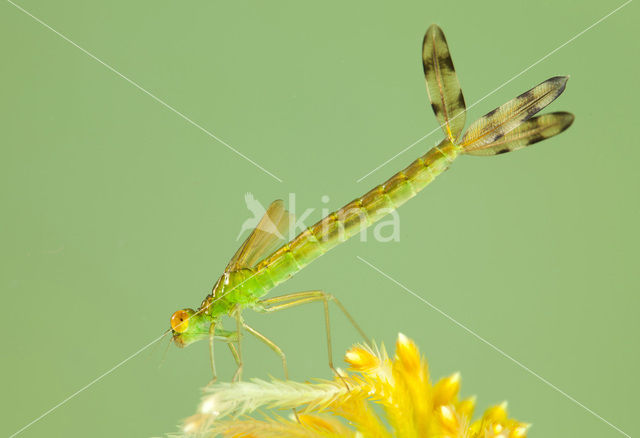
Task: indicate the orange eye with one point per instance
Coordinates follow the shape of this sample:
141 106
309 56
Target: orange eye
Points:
180 321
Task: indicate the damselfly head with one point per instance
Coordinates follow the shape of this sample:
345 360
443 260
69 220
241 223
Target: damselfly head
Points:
188 326
180 320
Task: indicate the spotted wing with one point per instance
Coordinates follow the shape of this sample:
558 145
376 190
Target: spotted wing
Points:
443 87
504 119
532 131
271 232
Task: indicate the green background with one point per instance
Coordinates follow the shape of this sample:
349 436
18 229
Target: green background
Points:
116 211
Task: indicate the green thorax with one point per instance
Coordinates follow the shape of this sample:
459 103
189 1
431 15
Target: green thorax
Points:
232 289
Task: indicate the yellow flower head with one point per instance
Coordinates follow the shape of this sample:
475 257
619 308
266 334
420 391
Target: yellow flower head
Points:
412 406
361 359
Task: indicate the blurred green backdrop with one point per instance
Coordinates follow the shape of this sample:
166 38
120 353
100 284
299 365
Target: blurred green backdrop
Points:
116 211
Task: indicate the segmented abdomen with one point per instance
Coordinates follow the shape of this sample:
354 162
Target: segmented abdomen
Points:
354 217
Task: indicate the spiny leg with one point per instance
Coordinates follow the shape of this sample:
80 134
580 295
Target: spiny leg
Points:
298 298
350 318
236 357
212 330
271 345
237 354
229 338
278 351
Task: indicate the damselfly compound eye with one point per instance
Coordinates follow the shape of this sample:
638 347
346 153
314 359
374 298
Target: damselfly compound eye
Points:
180 320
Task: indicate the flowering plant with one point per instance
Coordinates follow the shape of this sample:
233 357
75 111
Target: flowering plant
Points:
411 405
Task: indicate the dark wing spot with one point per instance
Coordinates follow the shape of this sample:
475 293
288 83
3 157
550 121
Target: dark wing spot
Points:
535 139
426 66
533 110
569 123
460 100
535 123
436 108
446 63
503 151
525 95
491 113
